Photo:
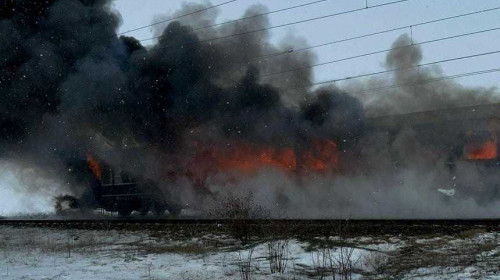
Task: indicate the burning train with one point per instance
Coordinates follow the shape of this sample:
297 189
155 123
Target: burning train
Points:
191 117
122 187
116 184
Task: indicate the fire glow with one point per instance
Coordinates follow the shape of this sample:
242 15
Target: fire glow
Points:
94 166
322 157
488 150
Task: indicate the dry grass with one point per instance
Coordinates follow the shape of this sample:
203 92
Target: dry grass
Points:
469 234
468 248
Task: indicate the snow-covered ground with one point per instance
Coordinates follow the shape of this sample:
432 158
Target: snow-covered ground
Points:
38 253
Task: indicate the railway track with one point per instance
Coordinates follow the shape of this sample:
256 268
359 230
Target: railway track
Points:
259 227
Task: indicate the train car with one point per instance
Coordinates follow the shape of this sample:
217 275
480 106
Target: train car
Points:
467 133
464 135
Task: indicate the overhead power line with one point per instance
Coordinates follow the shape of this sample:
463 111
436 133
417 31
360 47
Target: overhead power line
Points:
271 27
397 69
378 52
421 82
245 18
347 39
177 17
288 52
427 81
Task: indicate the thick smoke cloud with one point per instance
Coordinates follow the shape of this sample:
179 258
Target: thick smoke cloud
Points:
47 47
416 93
68 82
70 86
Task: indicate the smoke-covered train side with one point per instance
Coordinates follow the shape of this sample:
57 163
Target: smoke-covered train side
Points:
470 133
464 135
116 178
459 134
116 188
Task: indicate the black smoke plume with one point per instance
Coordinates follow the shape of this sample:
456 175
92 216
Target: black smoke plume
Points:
68 81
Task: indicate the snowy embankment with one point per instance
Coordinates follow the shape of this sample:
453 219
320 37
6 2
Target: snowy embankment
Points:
36 253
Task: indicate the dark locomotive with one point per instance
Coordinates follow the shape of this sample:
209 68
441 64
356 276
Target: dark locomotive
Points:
120 187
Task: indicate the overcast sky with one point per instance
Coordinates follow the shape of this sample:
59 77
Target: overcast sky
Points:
139 13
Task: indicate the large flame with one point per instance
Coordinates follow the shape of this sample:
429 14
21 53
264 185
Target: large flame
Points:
248 159
94 166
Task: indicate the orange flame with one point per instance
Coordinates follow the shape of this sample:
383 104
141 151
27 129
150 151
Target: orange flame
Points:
94 166
249 160
488 150
322 157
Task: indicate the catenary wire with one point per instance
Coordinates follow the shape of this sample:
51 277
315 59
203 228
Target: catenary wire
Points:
266 56
396 69
269 28
378 52
177 17
248 17
468 74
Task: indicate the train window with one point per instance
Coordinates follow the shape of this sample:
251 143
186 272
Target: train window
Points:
126 178
106 178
